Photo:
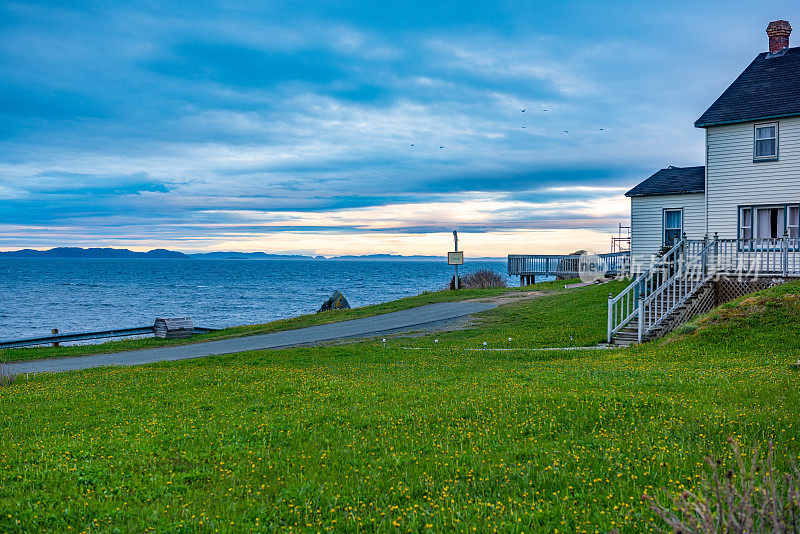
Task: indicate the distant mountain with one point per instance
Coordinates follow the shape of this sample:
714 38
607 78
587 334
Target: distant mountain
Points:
387 257
160 253
251 256
77 252
398 257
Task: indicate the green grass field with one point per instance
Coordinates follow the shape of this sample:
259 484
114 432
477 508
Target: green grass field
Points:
356 437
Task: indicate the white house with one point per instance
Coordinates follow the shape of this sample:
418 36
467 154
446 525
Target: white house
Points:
749 187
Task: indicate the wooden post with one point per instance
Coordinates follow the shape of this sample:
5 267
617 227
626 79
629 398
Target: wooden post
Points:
455 238
54 331
610 323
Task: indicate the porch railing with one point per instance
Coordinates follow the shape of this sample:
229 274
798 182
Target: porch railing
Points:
690 273
623 308
674 277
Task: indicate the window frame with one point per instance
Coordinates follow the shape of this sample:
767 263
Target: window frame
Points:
664 226
740 224
789 225
754 223
772 157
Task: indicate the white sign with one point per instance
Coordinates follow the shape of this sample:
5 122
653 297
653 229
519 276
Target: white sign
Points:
455 258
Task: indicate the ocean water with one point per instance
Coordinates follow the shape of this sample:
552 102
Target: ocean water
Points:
85 295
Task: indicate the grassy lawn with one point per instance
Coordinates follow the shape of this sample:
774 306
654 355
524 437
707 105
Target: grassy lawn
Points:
35 353
360 438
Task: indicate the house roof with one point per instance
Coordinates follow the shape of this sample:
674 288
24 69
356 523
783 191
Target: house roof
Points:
672 181
768 88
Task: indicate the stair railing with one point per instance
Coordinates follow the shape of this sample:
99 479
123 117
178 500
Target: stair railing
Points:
623 308
690 274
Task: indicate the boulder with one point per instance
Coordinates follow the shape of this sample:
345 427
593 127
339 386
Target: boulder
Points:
336 302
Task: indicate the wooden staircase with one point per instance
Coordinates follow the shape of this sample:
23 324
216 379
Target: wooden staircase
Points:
662 324
687 280
658 299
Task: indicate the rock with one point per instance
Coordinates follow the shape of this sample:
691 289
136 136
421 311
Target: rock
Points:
336 302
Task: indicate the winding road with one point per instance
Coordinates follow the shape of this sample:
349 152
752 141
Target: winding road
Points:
367 326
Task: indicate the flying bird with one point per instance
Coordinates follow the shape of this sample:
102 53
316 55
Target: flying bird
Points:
544 110
523 127
412 144
523 110
566 131
441 146
601 129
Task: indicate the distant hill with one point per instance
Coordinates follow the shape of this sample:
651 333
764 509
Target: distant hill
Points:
398 257
77 252
251 256
160 253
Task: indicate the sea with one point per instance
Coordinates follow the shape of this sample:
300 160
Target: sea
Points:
78 295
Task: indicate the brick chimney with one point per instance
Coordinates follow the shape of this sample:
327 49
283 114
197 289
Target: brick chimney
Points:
778 31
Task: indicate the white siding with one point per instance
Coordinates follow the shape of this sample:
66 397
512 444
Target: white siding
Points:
733 179
647 222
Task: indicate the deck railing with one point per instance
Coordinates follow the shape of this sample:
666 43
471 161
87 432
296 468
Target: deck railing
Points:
563 264
674 277
753 257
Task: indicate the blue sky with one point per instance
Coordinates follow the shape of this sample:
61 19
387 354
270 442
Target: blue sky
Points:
352 127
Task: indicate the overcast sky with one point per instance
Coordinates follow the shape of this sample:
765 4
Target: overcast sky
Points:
352 127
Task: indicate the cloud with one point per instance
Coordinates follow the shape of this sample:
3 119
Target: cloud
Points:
207 126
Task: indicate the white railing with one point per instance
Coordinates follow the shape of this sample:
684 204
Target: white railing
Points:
673 278
532 264
757 257
564 264
618 263
690 273
624 307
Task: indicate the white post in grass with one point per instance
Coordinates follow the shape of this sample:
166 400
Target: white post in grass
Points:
641 317
785 253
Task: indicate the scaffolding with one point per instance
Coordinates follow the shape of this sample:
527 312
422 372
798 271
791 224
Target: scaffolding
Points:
622 241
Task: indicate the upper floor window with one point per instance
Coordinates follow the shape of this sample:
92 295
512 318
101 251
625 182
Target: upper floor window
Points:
766 141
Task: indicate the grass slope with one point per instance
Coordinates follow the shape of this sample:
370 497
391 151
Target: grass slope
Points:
34 353
360 438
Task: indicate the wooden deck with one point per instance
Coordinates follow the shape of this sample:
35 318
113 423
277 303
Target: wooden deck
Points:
529 266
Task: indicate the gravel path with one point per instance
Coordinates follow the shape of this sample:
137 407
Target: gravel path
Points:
414 317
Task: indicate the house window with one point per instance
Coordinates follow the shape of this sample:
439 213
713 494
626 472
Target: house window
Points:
673 226
793 225
769 222
766 141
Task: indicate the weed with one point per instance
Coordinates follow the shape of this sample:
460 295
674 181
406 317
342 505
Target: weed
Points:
747 499
483 279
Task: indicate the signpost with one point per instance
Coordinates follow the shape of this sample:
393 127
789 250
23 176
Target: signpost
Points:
455 258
